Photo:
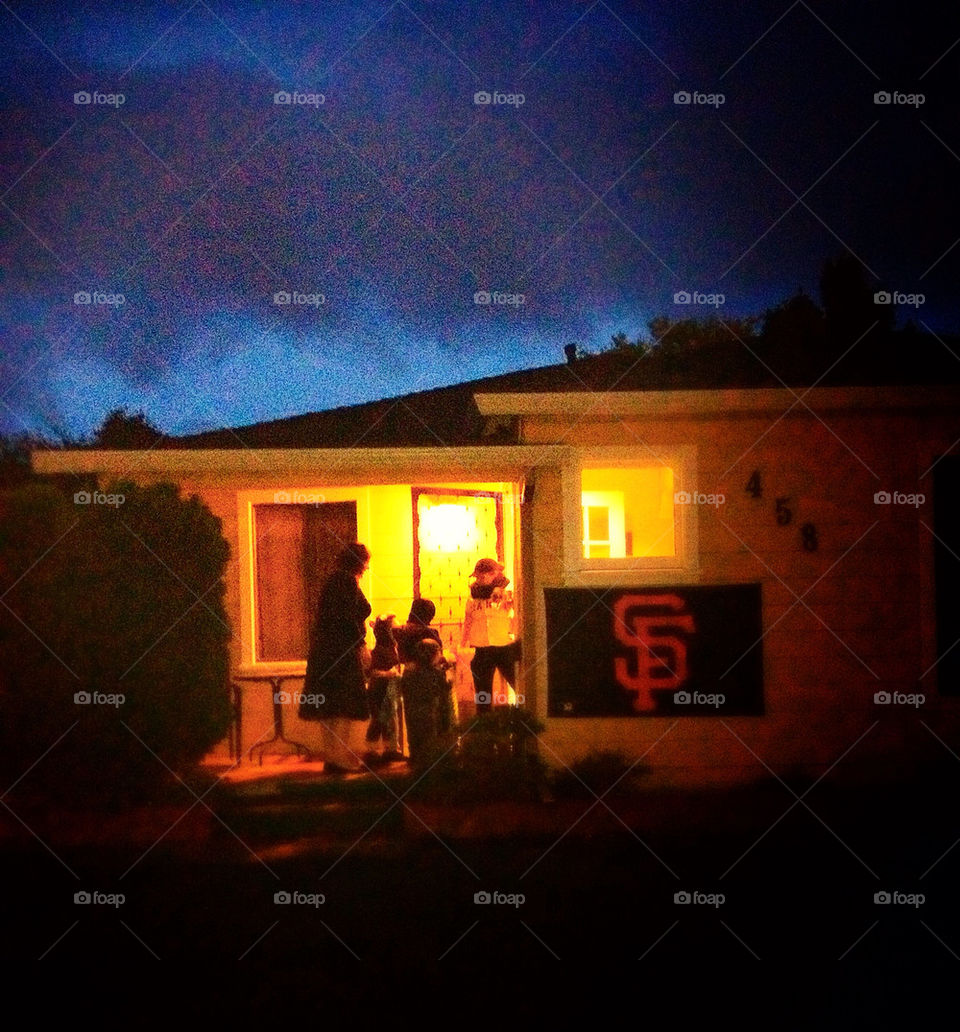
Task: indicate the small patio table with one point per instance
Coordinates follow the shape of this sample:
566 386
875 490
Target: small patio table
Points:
275 680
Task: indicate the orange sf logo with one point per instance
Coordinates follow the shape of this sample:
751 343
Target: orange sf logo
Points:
661 658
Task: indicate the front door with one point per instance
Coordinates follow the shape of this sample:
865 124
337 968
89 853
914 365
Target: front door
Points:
452 529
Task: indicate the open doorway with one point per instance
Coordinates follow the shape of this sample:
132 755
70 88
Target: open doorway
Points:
453 527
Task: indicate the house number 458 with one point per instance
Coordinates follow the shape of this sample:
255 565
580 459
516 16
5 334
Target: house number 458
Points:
783 513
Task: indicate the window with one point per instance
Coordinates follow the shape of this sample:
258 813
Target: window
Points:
296 547
621 512
627 512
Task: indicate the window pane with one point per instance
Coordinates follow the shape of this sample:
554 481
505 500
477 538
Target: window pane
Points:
282 612
638 506
296 550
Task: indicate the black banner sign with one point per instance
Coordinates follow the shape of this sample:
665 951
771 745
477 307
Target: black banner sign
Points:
654 652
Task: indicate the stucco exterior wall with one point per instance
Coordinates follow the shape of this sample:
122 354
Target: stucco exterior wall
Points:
866 622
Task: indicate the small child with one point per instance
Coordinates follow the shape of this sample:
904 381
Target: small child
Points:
424 688
417 628
383 691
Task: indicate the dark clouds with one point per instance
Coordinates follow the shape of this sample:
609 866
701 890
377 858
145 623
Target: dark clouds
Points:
398 198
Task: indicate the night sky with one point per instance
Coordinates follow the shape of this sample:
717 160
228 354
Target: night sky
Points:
384 198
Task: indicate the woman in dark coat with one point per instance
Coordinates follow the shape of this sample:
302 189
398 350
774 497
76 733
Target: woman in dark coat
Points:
334 689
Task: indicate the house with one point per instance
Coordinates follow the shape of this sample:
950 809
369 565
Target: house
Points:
716 571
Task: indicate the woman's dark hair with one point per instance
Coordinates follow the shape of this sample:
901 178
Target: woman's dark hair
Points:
422 611
354 558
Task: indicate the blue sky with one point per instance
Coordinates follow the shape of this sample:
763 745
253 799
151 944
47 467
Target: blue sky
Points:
581 198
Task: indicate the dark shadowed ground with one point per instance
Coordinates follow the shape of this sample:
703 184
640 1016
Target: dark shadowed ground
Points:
374 887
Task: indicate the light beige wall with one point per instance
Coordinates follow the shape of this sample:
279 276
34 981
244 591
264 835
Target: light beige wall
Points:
870 622
542 537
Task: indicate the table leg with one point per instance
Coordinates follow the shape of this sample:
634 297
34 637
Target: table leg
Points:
276 683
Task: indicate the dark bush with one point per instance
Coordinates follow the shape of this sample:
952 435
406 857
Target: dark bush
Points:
600 771
103 599
494 759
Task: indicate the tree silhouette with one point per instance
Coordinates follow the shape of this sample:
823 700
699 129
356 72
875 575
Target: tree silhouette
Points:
120 430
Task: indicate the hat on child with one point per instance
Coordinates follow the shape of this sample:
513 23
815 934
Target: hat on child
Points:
486 566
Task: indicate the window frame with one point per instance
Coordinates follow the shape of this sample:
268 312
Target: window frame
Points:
247 499
683 566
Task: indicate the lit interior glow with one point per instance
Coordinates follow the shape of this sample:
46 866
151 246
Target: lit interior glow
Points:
446 528
627 512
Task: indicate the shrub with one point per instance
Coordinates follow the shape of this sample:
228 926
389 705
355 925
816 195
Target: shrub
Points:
596 773
494 759
105 601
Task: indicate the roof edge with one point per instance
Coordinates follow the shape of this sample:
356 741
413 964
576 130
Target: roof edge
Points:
663 404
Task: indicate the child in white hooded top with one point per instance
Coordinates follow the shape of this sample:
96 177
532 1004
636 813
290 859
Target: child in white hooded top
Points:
488 627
